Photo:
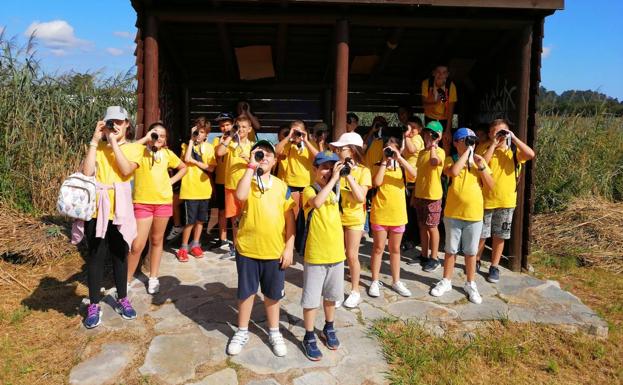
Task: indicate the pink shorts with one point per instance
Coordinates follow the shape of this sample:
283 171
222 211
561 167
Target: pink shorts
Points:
393 229
145 210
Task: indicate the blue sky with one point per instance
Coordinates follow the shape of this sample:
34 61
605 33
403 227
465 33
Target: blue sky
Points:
583 44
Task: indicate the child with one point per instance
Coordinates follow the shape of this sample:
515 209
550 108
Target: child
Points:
243 108
282 163
225 124
413 144
153 196
463 212
113 228
428 194
264 245
354 186
235 149
388 215
439 97
500 202
323 272
196 191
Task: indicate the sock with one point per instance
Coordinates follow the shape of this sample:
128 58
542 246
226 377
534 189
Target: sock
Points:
184 246
195 243
244 330
328 325
309 336
273 331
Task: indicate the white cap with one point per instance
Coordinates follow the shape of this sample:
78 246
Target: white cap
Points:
349 138
116 113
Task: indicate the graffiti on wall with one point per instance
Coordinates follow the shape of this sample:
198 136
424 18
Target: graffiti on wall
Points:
498 103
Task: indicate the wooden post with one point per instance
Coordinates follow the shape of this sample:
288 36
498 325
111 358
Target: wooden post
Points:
341 79
522 133
151 71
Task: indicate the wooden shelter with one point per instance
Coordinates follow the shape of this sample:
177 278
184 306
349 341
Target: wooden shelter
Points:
315 60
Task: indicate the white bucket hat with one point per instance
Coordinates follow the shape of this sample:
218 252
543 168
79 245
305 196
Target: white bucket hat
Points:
116 113
348 138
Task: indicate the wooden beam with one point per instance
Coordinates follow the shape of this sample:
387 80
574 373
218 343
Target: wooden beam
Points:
151 71
522 133
226 50
341 78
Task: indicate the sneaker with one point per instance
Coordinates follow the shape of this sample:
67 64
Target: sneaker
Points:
407 245
124 307
375 289
330 338
217 244
182 255
153 285
431 265
277 342
237 342
232 249
494 274
401 289
94 316
478 264
175 232
338 304
353 300
441 288
420 259
472 292
197 251
310 348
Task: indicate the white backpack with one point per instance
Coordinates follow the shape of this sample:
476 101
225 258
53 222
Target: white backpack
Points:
76 198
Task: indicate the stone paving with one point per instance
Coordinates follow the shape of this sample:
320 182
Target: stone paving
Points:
188 324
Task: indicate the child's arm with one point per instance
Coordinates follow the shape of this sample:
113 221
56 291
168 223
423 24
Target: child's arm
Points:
89 163
524 152
125 166
188 154
359 192
312 149
485 176
281 146
223 146
323 194
147 137
454 170
405 165
181 171
288 251
497 142
244 186
408 143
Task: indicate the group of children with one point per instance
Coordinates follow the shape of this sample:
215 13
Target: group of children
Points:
303 194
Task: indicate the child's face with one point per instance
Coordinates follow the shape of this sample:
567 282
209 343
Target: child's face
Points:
441 75
297 138
203 134
162 137
415 127
324 173
120 128
282 134
344 152
268 162
460 146
243 129
352 126
225 125
403 115
495 129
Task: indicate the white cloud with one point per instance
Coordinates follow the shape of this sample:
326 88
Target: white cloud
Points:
115 51
546 52
124 34
56 35
58 52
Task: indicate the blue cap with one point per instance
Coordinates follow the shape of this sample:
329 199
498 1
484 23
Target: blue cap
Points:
462 133
224 116
325 156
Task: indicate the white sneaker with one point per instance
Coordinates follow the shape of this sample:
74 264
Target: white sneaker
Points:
338 304
279 345
441 288
237 342
174 233
472 292
401 289
153 285
375 289
353 300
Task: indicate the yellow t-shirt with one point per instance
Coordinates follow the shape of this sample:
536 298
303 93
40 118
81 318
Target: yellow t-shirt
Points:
428 181
465 194
262 228
437 111
325 237
418 142
235 164
281 165
151 179
374 153
389 206
107 172
196 183
353 212
220 171
298 171
502 166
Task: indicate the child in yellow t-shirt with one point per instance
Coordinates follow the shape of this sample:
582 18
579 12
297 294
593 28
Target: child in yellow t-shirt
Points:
388 215
196 191
264 245
153 197
413 144
463 212
323 248
500 202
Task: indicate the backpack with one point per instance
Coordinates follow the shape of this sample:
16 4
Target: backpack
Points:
76 198
302 227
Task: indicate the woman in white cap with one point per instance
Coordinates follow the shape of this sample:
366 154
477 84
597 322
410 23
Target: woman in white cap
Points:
353 186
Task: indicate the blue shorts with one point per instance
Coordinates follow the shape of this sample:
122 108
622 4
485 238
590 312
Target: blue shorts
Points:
264 273
196 210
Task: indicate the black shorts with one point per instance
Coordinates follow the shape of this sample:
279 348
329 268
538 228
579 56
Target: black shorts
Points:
296 189
218 197
176 187
196 210
264 273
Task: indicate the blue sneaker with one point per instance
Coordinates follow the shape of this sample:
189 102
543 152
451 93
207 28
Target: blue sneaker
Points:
494 274
94 316
125 308
431 265
311 349
329 336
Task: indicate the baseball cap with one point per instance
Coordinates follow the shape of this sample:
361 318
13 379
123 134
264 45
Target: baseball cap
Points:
324 157
463 133
116 113
434 126
224 116
264 144
348 138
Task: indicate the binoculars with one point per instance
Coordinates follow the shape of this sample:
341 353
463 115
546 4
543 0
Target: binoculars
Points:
298 134
346 169
388 152
259 156
470 141
233 131
154 136
502 133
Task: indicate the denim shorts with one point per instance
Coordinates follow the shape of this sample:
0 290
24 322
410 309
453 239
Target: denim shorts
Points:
462 233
